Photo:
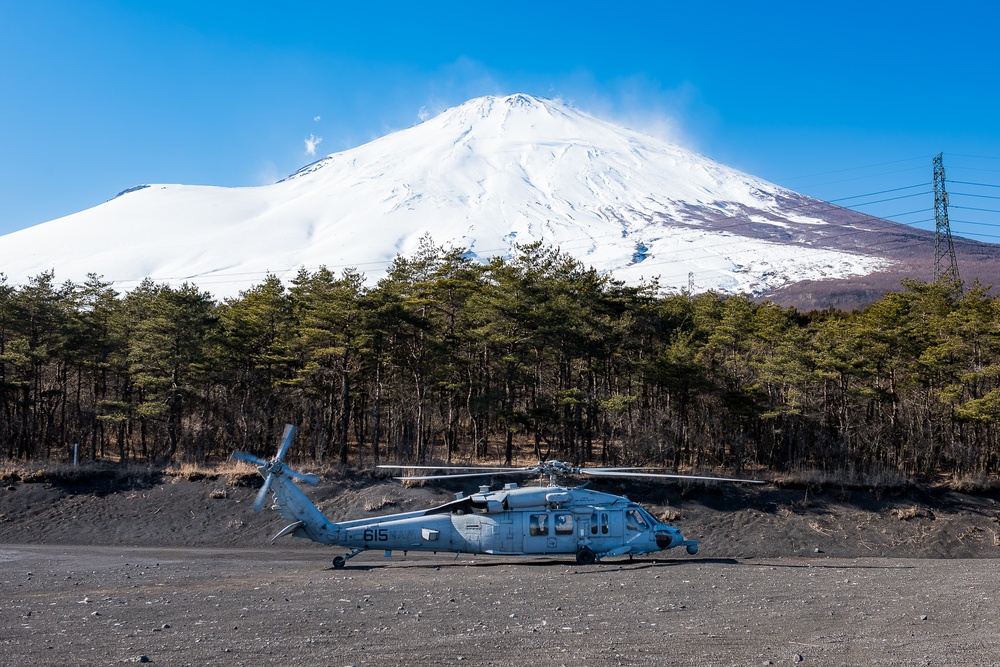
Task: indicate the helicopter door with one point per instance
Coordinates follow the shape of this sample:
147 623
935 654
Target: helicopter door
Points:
564 527
539 533
551 533
599 529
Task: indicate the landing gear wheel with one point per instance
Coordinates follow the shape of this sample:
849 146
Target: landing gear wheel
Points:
692 549
339 562
586 556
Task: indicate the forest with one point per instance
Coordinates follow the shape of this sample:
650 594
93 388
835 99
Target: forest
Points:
446 359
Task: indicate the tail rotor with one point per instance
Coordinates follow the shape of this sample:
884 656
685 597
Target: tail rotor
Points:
275 467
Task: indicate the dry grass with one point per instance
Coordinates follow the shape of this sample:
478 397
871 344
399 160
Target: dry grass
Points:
669 515
239 473
55 471
975 484
375 505
194 471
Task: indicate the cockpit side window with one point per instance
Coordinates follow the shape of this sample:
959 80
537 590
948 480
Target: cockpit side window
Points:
635 521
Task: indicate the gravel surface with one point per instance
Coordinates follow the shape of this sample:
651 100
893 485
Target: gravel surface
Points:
102 606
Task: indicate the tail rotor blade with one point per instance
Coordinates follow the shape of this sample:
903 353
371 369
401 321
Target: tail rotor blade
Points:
286 442
305 478
249 458
258 503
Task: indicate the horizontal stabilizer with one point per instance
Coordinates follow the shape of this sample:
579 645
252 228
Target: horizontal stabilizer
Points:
288 530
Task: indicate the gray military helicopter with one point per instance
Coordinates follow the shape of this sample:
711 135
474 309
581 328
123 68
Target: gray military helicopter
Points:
551 520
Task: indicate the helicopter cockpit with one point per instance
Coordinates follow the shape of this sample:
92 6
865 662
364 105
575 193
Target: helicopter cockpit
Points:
636 518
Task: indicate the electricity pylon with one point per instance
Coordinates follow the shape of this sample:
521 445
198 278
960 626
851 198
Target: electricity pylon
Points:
944 249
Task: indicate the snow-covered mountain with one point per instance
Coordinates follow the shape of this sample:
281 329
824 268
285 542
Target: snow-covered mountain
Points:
482 176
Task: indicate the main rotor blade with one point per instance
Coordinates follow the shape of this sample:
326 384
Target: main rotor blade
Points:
603 473
640 468
469 474
258 502
303 477
485 470
249 458
286 441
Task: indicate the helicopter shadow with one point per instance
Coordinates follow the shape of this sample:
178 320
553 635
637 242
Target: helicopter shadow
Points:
596 568
646 564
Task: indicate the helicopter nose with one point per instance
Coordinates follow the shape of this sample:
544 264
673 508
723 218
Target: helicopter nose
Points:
665 540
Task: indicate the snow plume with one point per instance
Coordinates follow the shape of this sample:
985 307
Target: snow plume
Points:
311 143
645 106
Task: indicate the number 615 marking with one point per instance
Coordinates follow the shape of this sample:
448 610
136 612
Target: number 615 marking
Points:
376 535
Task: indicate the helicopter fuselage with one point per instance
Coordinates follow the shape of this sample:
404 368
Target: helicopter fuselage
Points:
550 520
535 520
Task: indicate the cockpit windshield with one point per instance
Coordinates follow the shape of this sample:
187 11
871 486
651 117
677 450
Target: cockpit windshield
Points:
636 518
649 517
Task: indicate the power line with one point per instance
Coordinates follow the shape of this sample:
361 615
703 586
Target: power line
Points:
976 157
880 201
992 171
972 208
982 185
900 215
870 166
859 178
969 194
880 192
981 224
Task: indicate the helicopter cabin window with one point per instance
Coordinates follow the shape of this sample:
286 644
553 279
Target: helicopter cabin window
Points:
564 524
538 524
602 519
634 521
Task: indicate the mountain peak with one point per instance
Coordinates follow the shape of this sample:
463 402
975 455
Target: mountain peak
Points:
520 101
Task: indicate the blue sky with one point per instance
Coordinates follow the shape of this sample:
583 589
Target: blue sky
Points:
835 100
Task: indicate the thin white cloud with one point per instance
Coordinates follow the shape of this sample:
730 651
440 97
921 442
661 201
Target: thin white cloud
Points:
677 115
311 143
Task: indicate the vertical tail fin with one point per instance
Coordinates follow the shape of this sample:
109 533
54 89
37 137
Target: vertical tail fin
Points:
290 502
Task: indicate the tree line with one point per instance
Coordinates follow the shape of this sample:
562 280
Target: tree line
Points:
536 356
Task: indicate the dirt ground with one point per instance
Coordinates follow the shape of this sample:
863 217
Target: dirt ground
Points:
180 571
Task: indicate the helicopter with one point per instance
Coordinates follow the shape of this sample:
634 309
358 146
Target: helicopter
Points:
552 520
